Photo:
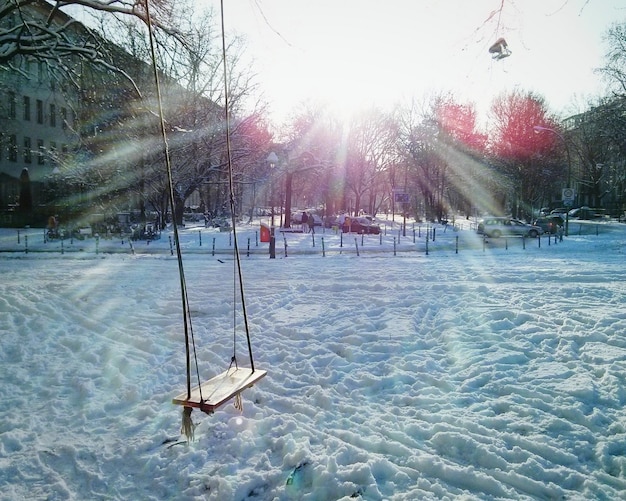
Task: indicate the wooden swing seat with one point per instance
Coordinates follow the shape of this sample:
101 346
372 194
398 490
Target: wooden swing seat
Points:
220 389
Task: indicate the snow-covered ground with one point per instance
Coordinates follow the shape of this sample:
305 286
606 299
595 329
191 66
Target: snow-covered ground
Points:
473 371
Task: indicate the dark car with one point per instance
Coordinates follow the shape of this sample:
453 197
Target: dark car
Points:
561 211
583 213
360 225
550 224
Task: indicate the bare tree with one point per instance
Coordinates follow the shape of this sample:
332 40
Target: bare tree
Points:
598 150
193 95
444 153
614 71
44 31
608 117
306 160
369 148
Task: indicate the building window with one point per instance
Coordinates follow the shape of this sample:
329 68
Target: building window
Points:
53 115
27 151
64 118
26 108
13 148
39 111
41 71
12 105
40 152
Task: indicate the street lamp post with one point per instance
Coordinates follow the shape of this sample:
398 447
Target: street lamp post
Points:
272 160
539 128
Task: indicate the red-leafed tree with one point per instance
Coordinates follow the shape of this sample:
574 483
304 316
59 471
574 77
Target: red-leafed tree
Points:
459 122
445 151
525 157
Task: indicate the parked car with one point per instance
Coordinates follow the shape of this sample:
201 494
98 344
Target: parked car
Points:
296 218
359 225
544 211
192 215
498 226
330 221
550 224
317 220
583 213
561 211
337 220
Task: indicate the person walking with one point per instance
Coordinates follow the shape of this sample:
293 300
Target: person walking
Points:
305 222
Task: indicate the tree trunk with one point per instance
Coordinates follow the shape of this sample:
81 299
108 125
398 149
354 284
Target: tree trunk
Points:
26 196
288 183
179 209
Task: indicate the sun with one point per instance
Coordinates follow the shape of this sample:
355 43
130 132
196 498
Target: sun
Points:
343 92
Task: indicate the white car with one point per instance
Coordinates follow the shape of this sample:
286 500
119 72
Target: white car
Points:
499 226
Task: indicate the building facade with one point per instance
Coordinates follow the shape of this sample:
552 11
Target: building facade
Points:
37 122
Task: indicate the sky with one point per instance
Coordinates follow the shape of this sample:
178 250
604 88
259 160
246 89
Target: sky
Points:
359 53
498 372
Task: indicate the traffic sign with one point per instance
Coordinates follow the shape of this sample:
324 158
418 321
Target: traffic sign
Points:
401 198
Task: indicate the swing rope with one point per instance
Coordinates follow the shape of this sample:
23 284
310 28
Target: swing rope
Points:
188 426
231 185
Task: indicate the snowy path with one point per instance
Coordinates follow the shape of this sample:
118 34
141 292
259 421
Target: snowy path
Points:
490 375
